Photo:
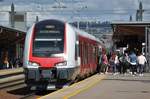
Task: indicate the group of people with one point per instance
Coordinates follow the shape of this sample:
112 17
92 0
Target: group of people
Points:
121 63
6 62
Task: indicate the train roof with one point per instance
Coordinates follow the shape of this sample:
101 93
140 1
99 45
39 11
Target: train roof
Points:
85 34
80 32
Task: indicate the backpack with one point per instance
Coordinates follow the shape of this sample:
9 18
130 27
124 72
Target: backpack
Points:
123 59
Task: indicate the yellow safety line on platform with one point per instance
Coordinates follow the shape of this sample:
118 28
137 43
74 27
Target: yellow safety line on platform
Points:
76 92
83 89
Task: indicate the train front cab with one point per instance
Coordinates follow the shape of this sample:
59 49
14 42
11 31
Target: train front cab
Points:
43 68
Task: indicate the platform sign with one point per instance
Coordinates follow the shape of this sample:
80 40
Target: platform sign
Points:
19 20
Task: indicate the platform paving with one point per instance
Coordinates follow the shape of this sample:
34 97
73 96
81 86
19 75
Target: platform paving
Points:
119 87
106 87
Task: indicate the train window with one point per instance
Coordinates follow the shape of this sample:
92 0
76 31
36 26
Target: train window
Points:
76 50
89 53
86 53
77 47
48 38
94 52
81 52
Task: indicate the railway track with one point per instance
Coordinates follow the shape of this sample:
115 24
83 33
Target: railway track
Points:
11 77
12 86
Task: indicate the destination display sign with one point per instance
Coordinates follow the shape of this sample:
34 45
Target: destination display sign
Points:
49 29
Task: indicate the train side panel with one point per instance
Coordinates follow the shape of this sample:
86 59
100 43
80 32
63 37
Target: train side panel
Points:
88 53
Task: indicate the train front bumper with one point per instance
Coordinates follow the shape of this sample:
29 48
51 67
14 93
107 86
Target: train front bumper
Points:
34 75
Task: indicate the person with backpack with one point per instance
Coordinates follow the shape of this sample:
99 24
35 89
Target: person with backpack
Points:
123 63
99 58
133 63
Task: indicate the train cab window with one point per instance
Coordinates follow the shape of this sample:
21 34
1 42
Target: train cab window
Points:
48 38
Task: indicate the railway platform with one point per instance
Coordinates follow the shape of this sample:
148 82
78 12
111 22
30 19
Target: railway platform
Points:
106 87
10 71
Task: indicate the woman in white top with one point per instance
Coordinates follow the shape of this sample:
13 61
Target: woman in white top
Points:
141 62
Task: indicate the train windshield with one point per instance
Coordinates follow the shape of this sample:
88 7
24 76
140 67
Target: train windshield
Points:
48 38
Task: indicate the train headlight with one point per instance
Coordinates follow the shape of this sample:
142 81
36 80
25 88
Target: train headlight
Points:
33 64
64 63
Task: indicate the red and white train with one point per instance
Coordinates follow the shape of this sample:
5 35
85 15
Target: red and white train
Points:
56 51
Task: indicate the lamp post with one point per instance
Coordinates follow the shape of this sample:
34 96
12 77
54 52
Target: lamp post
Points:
139 13
12 14
37 19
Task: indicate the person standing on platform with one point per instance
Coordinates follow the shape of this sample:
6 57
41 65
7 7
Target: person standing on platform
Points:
141 63
99 63
104 60
133 63
123 63
5 61
112 63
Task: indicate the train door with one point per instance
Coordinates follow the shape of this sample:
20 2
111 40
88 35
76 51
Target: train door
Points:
77 51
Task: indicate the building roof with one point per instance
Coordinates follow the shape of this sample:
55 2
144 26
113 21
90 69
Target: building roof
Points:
9 36
130 23
129 30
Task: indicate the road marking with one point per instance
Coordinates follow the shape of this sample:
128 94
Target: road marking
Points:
75 92
84 89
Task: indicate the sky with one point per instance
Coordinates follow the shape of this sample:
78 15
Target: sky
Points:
70 10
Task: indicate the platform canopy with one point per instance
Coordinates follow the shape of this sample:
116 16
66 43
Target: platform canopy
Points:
10 36
129 32
126 31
